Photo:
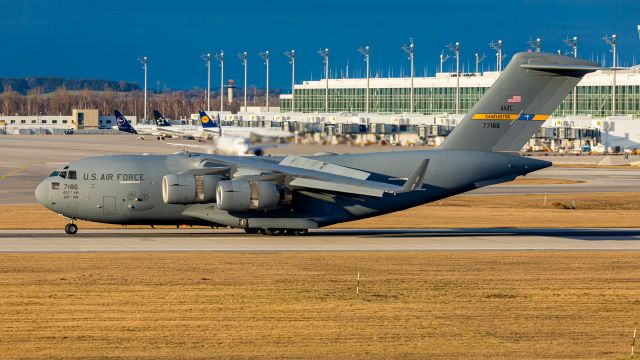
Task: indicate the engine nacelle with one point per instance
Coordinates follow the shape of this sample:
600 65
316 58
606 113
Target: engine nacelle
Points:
242 195
189 189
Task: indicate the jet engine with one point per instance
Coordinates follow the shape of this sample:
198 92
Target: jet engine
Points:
189 189
242 195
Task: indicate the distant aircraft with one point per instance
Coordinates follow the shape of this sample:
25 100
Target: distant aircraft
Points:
183 131
242 131
222 143
291 194
161 129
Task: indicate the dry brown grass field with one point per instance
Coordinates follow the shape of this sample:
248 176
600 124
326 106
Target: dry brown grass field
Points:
435 305
482 211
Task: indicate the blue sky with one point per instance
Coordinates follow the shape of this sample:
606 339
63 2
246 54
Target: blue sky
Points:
104 39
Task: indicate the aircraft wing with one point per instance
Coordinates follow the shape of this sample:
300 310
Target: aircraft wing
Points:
300 173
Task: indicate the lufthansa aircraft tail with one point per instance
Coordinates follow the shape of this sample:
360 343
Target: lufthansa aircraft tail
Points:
210 124
522 98
160 120
122 123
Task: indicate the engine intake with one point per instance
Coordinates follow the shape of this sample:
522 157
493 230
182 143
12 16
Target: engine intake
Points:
189 189
242 195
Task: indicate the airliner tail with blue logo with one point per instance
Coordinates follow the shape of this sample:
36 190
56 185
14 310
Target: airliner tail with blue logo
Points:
207 122
123 124
210 125
160 120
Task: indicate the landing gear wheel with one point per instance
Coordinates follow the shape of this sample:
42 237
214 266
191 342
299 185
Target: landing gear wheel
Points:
300 232
273 232
71 229
296 232
251 230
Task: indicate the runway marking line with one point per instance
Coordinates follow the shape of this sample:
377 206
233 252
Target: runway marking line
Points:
13 172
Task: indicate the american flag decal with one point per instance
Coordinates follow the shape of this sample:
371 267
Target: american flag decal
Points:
514 99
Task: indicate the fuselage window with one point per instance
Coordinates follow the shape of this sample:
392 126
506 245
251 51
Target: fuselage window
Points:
71 175
55 185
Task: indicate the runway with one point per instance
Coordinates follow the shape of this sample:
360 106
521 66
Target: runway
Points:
320 240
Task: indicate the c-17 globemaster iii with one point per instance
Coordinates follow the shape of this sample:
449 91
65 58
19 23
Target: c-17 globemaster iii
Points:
291 194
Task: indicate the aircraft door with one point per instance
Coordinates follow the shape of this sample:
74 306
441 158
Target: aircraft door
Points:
55 194
109 205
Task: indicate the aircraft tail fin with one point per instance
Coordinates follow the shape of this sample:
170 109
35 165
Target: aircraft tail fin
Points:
531 87
160 120
122 123
206 121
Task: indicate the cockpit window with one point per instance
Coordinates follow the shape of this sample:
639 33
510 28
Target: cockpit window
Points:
63 174
71 175
55 173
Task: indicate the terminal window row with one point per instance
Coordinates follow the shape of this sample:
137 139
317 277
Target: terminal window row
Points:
43 121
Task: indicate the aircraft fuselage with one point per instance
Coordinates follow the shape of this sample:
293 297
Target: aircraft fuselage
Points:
127 189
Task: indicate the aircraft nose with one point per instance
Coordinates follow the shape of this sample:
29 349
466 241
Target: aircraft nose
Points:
42 192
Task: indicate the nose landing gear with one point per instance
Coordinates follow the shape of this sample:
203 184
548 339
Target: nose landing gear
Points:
71 228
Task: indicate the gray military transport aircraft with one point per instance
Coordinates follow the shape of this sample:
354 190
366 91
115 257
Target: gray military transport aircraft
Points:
275 195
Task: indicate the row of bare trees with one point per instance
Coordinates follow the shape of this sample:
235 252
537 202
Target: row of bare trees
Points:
173 105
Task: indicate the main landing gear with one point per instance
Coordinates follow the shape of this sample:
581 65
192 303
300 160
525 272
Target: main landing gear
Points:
71 228
276 232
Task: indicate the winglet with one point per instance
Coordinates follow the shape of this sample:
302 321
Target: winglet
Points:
415 181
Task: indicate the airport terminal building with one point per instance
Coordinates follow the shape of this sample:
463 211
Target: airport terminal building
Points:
437 94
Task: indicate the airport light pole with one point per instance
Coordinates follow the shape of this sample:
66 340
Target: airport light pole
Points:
325 54
243 57
535 44
292 56
365 51
611 41
409 50
443 57
207 59
456 49
479 59
265 56
220 58
144 61
573 44
497 46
